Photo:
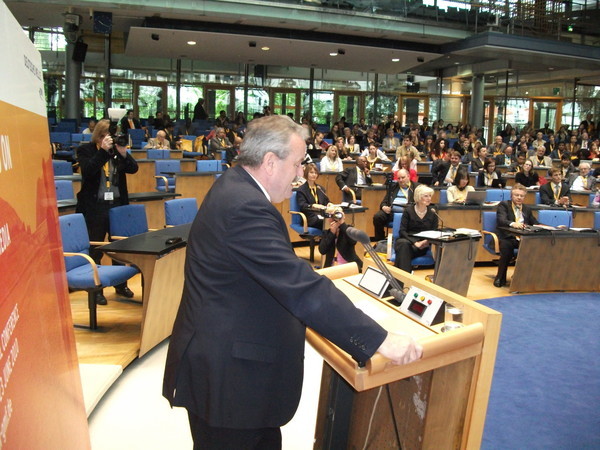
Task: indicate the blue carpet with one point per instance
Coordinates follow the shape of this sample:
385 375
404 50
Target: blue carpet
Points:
546 386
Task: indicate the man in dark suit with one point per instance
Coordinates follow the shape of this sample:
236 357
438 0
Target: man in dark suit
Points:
400 194
513 214
236 353
507 157
103 185
129 122
556 192
444 171
351 177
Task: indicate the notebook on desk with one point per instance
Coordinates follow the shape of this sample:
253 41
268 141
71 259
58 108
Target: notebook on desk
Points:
475 197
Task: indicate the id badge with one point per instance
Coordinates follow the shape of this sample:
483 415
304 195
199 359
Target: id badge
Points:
109 196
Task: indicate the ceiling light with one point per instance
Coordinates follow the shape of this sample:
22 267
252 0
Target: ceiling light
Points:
265 48
395 59
333 54
550 68
191 42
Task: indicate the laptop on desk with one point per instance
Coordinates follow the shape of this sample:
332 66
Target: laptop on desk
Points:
475 197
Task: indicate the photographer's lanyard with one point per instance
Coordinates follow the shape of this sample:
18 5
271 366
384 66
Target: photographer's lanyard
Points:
107 174
109 194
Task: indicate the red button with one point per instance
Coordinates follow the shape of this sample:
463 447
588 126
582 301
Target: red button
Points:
429 302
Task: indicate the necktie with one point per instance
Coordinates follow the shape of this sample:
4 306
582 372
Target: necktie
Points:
584 182
556 191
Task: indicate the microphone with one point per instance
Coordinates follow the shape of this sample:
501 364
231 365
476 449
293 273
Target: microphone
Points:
363 238
441 221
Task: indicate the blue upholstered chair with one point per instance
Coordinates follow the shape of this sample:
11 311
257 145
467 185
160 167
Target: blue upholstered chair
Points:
490 239
443 196
208 165
163 169
555 218
425 260
300 225
136 135
494 195
597 221
64 189
180 211
61 167
82 272
127 220
154 153
77 138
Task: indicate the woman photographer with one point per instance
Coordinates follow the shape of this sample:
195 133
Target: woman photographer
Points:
104 165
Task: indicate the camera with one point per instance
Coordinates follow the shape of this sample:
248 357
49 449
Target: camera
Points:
120 139
335 215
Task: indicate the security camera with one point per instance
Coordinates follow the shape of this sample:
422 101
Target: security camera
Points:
155 37
420 59
252 44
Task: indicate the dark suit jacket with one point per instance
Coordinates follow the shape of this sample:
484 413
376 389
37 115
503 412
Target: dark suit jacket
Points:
236 353
390 195
547 195
305 198
501 160
125 124
91 162
505 216
349 178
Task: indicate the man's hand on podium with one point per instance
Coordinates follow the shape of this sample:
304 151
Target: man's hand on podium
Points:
400 349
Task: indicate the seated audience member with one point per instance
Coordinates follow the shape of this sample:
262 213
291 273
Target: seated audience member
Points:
232 152
478 162
316 145
417 217
310 194
335 237
222 120
539 141
517 166
490 176
514 214
407 148
506 158
556 192
572 146
374 156
405 163
160 142
540 159
390 142
566 168
427 146
559 151
341 149
594 151
218 143
457 193
551 145
331 162
527 177
583 181
443 171
352 177
498 147
334 132
439 150
128 122
583 154
170 135
396 198
351 146
91 125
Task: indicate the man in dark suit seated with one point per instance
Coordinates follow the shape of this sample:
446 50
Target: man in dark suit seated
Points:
235 358
129 122
556 192
514 214
444 171
352 177
507 157
400 194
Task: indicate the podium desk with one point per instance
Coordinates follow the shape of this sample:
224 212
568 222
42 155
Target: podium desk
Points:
371 199
556 261
162 267
327 180
439 401
454 261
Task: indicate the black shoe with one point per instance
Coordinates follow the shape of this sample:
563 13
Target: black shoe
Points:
101 299
499 283
124 292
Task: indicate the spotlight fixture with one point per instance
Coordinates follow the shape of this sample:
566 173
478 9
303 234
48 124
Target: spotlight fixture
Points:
333 54
341 51
265 48
155 36
191 42
395 59
252 44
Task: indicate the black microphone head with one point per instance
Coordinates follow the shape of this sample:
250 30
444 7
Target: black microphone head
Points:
358 235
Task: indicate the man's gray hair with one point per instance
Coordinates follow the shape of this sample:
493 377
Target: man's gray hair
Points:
268 134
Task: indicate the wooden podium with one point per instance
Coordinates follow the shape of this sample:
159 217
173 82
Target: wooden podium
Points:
439 401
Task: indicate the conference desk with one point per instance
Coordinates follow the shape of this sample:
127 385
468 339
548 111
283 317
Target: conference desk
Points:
162 268
439 401
556 261
194 184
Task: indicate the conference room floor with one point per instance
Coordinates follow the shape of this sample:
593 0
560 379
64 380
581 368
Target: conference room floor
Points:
132 414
